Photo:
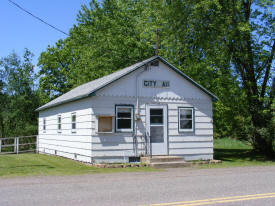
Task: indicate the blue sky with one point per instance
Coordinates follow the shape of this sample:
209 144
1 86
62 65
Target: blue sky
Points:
19 30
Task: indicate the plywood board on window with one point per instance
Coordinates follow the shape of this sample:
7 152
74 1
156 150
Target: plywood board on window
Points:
105 124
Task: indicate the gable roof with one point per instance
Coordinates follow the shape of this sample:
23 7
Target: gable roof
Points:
89 89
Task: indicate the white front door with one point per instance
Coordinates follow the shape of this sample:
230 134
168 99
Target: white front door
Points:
156 127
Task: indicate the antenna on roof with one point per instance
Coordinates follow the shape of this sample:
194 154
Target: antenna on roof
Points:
157 42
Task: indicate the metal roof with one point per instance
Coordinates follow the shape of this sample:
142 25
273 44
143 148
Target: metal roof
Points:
89 89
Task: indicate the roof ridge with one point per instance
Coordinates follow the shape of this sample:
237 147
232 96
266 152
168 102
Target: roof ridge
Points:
80 94
89 88
115 72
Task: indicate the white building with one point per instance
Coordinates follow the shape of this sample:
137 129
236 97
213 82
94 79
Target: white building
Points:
148 108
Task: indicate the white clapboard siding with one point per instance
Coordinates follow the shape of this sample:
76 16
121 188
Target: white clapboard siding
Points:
113 153
198 119
84 158
174 131
173 119
113 146
197 132
186 145
66 117
66 126
79 131
203 119
70 138
80 114
74 144
199 125
79 119
172 125
114 139
190 138
79 157
62 148
202 125
204 131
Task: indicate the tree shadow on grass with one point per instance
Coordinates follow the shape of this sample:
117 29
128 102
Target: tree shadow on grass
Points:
235 155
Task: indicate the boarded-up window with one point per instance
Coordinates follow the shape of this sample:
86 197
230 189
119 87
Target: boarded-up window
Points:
105 124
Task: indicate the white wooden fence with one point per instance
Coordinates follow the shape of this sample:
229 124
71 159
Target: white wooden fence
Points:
16 145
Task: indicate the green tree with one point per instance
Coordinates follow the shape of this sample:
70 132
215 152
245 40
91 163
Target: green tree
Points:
3 102
227 46
106 38
19 96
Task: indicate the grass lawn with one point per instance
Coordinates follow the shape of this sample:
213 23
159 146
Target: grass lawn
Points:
39 164
232 153
235 153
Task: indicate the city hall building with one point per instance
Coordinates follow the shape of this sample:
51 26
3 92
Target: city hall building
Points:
149 108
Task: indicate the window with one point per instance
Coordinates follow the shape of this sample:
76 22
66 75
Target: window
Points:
186 122
59 122
105 124
73 121
124 118
44 124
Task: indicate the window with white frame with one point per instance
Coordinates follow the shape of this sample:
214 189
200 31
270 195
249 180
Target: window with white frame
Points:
59 123
186 119
73 119
124 118
44 124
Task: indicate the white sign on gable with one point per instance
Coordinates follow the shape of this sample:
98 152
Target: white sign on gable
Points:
156 84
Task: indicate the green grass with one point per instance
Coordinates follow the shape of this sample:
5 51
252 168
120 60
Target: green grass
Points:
39 164
235 153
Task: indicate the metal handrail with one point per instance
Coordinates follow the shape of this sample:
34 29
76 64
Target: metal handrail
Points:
135 145
148 145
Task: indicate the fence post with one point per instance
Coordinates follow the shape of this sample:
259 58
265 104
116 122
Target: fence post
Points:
17 145
14 145
0 145
37 144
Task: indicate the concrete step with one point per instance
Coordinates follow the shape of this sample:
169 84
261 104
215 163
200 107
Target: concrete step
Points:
160 159
174 164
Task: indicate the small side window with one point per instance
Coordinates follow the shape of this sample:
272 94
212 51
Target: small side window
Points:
105 124
186 120
44 124
59 123
73 121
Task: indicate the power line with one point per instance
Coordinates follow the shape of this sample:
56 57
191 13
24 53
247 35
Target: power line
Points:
17 5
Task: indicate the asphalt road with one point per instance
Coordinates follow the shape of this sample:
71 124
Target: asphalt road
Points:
251 186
